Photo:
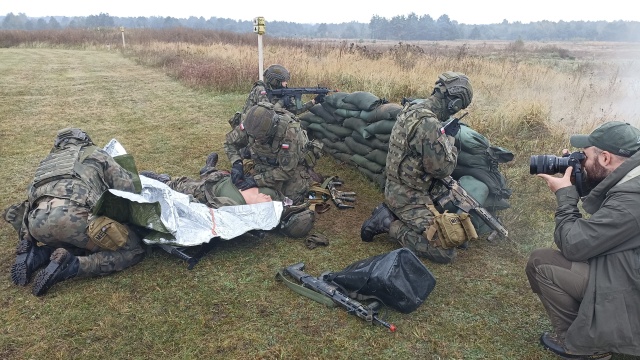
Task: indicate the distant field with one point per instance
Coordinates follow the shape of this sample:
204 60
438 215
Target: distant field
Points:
230 306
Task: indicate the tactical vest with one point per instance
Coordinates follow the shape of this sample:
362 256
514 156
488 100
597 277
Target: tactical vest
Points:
289 135
63 175
404 165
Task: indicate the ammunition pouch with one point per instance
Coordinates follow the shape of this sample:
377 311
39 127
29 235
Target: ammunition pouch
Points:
452 229
106 233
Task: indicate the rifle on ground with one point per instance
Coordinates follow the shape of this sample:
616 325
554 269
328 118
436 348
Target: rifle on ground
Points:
465 202
367 313
287 93
338 196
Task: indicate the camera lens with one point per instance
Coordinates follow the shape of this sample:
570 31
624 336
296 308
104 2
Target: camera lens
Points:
547 164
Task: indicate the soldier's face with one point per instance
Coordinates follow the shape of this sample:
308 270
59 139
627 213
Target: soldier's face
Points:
254 196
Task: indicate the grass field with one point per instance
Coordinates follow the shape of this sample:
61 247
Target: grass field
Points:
230 306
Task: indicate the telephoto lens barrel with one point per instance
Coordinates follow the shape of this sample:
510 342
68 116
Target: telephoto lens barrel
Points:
547 164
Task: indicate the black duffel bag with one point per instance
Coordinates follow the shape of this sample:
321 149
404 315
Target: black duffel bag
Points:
398 279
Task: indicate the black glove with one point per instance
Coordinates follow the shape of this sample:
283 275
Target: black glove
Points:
248 183
452 127
319 99
237 173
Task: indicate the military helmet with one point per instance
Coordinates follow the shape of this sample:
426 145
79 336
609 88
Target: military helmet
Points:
275 75
457 87
73 135
298 224
261 121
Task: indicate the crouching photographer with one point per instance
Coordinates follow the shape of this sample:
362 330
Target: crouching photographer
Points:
590 287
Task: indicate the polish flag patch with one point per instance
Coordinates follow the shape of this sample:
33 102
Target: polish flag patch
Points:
263 92
241 126
285 146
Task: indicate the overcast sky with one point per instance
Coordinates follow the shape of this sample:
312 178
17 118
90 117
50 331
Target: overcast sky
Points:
336 11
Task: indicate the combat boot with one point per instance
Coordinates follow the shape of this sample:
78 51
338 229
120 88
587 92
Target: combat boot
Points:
163 178
63 266
210 164
29 258
378 223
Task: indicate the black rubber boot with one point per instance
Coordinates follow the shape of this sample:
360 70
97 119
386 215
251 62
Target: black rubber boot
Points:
378 223
163 178
29 258
210 164
63 266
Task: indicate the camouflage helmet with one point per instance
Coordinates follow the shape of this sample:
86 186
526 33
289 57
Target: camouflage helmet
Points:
298 224
73 135
275 75
261 121
456 86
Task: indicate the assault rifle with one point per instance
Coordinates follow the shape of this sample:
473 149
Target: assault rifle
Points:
287 93
465 202
353 307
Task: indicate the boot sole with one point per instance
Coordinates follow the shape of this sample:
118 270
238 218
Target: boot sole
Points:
43 280
19 270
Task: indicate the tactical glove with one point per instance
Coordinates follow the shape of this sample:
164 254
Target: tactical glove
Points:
248 183
237 173
319 99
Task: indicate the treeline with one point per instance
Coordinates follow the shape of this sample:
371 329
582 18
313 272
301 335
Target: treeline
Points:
401 27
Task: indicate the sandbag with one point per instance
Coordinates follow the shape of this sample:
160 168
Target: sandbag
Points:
320 111
387 111
398 279
383 137
342 132
379 179
347 113
344 157
336 145
364 100
355 124
369 165
373 142
356 147
377 156
336 101
378 127
327 134
311 118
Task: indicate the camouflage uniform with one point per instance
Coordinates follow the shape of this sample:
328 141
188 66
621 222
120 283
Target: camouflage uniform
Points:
418 152
282 163
259 94
215 189
66 186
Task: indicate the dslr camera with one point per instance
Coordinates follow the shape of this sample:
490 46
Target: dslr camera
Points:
550 164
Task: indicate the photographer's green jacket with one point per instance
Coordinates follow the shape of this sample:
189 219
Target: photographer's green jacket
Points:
609 240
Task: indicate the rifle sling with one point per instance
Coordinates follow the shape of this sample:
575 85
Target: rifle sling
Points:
305 291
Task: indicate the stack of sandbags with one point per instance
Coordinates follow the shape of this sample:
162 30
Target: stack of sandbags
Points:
355 128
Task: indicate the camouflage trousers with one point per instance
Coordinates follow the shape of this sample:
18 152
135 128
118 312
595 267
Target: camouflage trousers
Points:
63 223
410 206
202 190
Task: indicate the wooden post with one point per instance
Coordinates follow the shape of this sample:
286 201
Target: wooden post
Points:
259 28
122 31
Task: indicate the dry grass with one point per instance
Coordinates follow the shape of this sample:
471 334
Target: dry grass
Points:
230 306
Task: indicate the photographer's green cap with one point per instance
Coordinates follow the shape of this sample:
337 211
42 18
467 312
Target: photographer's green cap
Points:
616 137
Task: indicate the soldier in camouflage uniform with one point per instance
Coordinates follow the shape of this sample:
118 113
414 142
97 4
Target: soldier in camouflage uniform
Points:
419 152
279 150
276 77
57 214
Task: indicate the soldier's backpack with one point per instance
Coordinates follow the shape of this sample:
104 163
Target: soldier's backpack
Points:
478 158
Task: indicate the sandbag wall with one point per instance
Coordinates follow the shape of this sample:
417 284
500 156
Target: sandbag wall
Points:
354 128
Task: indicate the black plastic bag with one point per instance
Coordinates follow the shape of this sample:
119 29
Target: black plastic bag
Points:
398 279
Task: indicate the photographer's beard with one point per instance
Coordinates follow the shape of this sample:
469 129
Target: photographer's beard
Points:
595 174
